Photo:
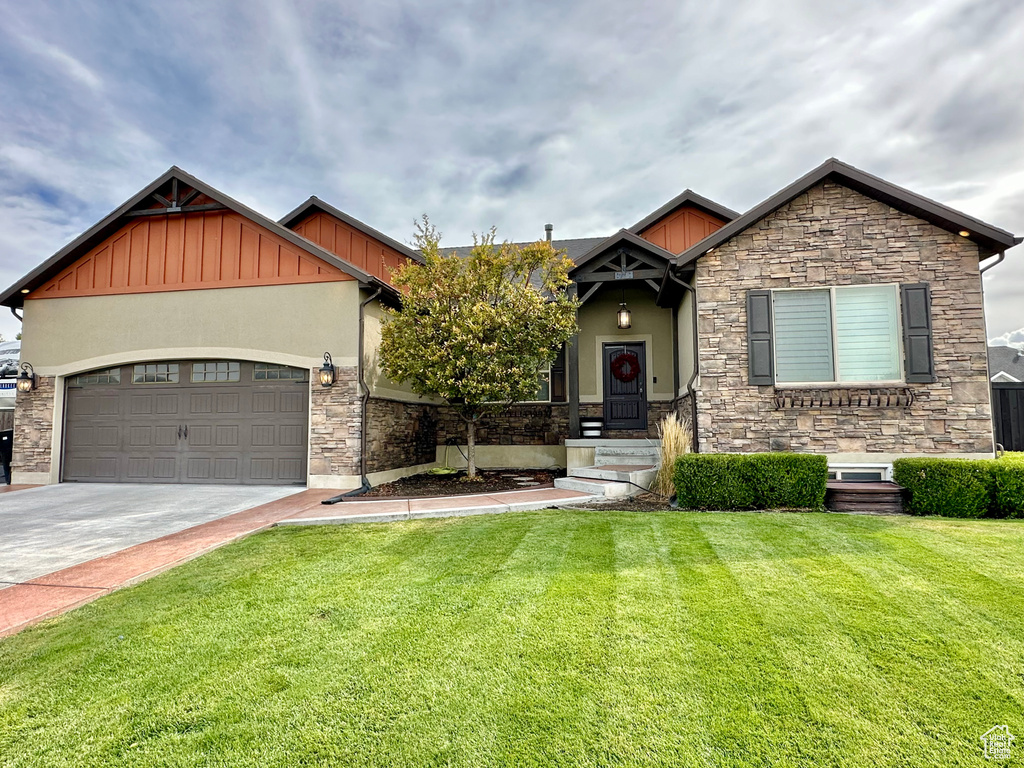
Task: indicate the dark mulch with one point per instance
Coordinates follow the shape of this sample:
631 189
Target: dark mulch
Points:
643 502
490 481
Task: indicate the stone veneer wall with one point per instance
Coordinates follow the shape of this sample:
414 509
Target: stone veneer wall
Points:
33 428
832 235
526 424
334 415
400 434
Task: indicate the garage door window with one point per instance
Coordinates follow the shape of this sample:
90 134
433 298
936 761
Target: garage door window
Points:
106 376
220 370
268 372
155 373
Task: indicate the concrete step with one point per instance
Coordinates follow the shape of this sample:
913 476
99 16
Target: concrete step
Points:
638 474
609 489
650 455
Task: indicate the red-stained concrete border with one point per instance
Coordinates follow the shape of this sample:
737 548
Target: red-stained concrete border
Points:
27 603
13 488
37 599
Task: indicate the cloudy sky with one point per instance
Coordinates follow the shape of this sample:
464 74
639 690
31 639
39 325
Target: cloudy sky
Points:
587 115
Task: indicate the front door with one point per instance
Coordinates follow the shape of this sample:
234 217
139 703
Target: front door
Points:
625 382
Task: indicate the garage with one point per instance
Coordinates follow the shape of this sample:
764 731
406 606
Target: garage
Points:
188 421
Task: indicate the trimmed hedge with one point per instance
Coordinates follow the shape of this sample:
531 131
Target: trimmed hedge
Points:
966 488
750 481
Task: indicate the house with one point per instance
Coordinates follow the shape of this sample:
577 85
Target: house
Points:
1006 365
183 337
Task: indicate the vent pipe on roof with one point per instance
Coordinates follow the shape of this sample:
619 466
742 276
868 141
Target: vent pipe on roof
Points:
548 229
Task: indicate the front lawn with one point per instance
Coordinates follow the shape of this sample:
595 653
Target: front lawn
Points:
553 638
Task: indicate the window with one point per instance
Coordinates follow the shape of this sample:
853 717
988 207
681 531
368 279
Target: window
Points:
543 387
106 376
267 372
220 370
848 334
155 373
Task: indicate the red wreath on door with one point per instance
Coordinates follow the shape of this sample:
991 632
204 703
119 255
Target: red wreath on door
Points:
625 366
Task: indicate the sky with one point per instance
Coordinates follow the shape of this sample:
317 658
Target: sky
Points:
586 115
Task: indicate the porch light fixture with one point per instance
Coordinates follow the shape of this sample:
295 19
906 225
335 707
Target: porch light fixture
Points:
625 317
26 379
964 233
327 371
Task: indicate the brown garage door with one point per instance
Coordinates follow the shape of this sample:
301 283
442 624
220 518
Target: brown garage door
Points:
198 421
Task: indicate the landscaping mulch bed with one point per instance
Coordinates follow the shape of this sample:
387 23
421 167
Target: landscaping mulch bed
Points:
643 502
490 481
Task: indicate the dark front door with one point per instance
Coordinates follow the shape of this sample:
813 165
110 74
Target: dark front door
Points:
625 381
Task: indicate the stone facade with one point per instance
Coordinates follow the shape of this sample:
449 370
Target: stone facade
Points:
833 236
400 434
656 411
334 428
524 424
33 424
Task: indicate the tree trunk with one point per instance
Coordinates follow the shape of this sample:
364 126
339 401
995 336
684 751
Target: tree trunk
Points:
471 448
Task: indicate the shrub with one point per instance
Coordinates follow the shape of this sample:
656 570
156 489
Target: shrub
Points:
1008 486
950 487
750 481
676 440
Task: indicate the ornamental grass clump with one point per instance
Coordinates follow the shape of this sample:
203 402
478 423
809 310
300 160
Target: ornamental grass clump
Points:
676 440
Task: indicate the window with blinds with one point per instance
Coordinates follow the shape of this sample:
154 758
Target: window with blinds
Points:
848 334
803 336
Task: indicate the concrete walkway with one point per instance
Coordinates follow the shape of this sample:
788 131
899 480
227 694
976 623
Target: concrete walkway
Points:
54 593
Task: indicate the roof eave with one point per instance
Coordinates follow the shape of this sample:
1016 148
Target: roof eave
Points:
14 298
686 197
315 202
990 239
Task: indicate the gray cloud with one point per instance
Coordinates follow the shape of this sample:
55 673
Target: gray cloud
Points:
588 115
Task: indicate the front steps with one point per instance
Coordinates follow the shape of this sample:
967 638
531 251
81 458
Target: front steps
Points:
622 468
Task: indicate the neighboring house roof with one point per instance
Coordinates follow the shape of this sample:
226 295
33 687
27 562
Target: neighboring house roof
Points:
686 197
314 204
990 239
1008 361
14 297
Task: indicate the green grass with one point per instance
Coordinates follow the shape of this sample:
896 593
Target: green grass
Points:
556 638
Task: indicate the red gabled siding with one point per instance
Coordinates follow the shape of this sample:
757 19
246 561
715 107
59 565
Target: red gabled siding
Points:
218 249
348 243
682 228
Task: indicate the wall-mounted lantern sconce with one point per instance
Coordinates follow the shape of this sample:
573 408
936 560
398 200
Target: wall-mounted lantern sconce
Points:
26 379
625 317
327 371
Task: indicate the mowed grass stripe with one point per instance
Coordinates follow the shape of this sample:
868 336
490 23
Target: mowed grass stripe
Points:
554 638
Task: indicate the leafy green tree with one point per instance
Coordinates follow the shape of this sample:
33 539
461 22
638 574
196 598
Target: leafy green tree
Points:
476 331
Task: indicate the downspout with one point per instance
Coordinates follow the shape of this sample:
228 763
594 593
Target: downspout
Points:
696 361
988 373
364 400
14 311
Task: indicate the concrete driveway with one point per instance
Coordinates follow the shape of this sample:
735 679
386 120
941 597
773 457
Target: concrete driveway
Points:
45 529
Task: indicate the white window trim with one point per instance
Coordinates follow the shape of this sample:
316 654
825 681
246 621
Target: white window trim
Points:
1004 378
542 371
835 345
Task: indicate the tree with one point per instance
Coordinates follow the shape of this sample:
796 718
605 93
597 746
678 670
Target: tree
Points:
476 331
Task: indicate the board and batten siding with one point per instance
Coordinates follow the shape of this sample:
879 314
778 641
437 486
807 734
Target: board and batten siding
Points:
350 244
191 251
681 229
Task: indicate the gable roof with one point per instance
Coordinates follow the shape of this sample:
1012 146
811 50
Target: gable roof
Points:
14 298
989 238
686 197
1008 360
314 204
624 236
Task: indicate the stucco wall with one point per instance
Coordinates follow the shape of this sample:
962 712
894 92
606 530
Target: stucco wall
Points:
379 384
650 323
287 324
832 235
